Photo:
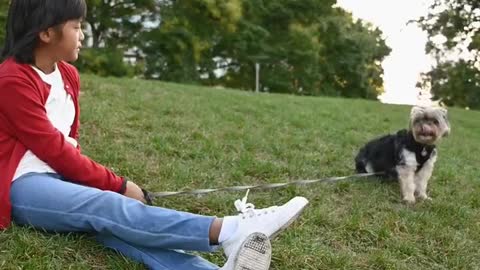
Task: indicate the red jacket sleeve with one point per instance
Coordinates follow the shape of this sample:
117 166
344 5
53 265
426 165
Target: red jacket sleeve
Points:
27 119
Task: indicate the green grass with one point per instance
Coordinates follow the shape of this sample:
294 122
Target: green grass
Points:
170 137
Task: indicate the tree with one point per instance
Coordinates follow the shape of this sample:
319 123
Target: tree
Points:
112 28
453 27
304 47
352 55
113 23
456 83
178 50
308 48
282 36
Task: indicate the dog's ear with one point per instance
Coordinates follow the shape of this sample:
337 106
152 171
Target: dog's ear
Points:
414 112
444 114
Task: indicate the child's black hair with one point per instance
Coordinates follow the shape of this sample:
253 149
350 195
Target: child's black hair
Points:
27 18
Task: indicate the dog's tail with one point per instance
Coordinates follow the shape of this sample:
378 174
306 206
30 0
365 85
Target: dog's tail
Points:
360 163
360 166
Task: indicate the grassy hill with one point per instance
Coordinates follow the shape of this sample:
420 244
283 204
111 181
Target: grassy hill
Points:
170 136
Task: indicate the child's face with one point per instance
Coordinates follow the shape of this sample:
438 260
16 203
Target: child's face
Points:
67 45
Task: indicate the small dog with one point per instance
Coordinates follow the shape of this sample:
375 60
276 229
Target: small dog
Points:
409 155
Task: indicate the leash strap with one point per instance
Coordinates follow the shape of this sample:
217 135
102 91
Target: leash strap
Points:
149 196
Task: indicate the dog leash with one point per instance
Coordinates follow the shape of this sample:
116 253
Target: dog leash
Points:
149 196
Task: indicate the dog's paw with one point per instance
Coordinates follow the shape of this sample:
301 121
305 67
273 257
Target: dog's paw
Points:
424 197
408 200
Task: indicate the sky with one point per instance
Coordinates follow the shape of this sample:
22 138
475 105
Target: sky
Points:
407 59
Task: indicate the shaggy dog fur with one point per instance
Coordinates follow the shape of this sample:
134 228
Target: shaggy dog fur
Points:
409 155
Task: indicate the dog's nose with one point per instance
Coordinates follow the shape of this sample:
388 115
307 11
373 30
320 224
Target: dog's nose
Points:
426 128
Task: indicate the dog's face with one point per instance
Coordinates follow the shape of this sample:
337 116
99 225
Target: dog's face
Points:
429 124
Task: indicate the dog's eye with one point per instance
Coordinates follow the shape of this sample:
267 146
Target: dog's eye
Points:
435 121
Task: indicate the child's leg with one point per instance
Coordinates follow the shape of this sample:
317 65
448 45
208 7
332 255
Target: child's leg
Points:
46 202
157 259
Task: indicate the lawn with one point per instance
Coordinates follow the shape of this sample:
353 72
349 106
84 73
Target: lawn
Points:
170 137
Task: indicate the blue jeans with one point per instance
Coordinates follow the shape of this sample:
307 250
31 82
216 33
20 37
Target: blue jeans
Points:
147 234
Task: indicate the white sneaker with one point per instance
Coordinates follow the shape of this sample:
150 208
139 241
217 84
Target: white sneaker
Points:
269 221
255 253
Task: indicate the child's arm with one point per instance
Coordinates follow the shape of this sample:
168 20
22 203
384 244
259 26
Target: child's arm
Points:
27 120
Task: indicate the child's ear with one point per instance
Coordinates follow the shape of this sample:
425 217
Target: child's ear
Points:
47 36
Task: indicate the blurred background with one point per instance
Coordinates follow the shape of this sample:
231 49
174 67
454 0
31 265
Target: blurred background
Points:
394 51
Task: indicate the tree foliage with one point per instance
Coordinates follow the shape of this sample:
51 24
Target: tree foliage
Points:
306 47
179 48
303 47
117 23
453 27
113 29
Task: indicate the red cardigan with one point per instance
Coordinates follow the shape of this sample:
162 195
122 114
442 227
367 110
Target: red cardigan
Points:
24 126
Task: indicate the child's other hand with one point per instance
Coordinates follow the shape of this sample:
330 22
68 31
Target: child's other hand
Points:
134 191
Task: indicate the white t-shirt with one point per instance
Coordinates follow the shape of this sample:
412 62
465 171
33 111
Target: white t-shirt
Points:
60 111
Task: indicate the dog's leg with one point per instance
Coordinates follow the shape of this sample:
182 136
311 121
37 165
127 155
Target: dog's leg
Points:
406 176
422 177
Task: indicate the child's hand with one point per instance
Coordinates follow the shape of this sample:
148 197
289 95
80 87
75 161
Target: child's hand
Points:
135 192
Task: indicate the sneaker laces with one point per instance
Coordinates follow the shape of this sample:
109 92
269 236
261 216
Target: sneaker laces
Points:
244 207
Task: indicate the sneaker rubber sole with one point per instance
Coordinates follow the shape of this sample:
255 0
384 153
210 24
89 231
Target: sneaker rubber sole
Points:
255 253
